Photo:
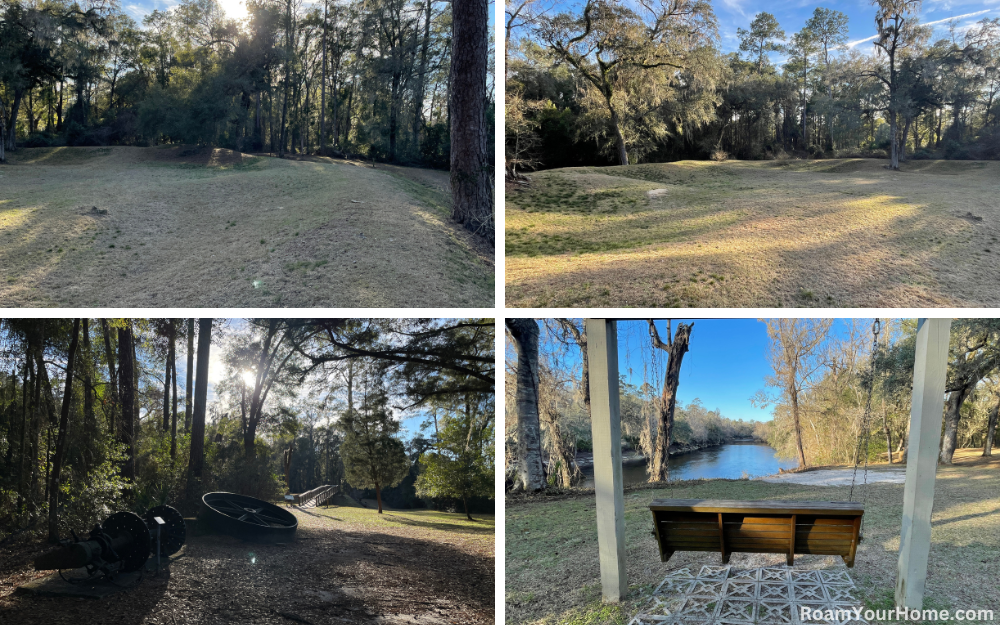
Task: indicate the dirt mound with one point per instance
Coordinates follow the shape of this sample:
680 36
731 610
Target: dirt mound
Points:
202 155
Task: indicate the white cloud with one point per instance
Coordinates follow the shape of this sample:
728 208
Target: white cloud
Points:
947 20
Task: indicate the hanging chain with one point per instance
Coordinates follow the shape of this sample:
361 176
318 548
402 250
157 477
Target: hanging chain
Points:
864 436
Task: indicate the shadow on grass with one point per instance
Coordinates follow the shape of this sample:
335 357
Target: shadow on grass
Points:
442 525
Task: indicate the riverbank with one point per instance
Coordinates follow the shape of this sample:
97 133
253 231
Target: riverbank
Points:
632 457
553 575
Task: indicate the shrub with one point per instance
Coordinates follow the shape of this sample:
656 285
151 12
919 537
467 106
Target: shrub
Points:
720 155
40 140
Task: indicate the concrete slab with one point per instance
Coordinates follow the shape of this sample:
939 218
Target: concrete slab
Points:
773 595
838 477
81 588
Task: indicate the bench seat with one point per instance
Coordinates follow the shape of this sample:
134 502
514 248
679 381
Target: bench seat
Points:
729 526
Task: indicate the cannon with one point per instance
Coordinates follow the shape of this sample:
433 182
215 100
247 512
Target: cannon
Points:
122 544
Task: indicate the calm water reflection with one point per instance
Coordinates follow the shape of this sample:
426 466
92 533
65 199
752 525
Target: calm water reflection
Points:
725 461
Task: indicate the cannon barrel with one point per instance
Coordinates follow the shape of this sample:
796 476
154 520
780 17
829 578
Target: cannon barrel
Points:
69 556
123 543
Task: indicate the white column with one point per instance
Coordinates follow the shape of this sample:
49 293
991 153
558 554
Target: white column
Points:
602 352
930 369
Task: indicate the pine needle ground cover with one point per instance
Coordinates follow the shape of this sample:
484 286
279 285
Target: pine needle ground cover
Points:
553 576
825 233
201 227
346 565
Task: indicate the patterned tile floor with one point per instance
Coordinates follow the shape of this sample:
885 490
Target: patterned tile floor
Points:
725 595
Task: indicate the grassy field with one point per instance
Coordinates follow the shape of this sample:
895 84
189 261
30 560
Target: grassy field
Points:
345 565
827 233
552 573
197 227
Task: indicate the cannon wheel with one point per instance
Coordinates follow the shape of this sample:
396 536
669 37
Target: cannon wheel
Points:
135 554
173 533
248 517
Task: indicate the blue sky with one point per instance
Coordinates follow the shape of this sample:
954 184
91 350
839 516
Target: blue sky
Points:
410 420
725 367
137 9
792 15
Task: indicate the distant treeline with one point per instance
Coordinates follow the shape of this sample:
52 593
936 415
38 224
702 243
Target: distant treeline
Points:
369 78
617 85
827 420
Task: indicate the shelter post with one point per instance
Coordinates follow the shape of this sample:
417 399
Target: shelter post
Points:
602 354
930 369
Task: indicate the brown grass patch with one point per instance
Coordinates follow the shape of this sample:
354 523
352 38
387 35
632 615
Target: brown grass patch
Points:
204 227
830 233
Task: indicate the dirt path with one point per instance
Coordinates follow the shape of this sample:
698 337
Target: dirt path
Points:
345 566
155 227
830 233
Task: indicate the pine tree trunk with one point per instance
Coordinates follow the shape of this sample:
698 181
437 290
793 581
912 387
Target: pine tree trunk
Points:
190 376
197 460
378 496
471 169
418 92
89 418
166 394
112 410
322 91
57 462
173 378
126 384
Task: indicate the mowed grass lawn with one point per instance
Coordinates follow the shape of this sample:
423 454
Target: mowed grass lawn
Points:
825 233
553 576
202 227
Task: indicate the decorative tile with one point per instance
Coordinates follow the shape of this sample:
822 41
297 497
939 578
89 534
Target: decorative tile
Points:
705 588
665 606
741 590
805 576
745 574
737 610
698 608
835 576
772 574
778 592
769 613
674 586
714 572
807 592
840 594
722 595
684 572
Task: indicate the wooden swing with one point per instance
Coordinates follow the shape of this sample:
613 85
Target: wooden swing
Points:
805 527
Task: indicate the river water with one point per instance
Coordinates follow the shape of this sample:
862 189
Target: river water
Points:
723 461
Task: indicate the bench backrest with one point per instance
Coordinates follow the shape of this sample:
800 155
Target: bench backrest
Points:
728 526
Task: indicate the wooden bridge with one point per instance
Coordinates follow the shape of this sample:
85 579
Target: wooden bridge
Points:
314 497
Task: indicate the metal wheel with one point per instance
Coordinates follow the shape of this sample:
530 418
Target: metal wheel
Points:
136 551
248 517
172 534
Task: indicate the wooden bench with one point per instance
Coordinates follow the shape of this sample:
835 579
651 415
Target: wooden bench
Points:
789 527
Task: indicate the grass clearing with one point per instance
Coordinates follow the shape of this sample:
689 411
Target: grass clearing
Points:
201 227
824 233
553 576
